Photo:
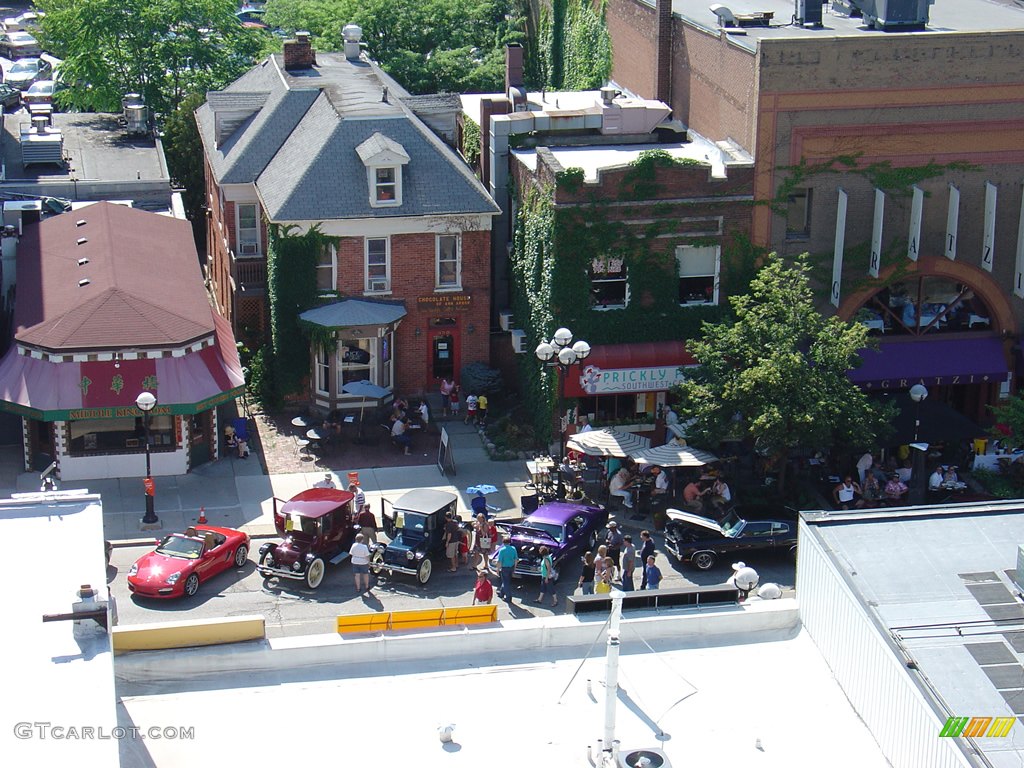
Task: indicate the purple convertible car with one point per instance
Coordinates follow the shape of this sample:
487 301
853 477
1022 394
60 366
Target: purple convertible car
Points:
566 528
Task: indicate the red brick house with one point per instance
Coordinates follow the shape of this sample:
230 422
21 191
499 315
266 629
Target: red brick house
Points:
396 279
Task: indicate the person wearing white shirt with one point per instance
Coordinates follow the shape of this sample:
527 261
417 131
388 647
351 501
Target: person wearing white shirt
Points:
585 424
660 481
360 554
935 481
620 486
864 464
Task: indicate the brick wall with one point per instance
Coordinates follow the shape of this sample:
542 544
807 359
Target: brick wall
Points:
413 260
632 25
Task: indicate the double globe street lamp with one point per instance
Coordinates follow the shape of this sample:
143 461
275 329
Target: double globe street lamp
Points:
561 352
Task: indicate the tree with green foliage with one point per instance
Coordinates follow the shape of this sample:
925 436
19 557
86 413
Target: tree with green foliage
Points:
1010 418
573 46
184 151
776 375
163 49
429 46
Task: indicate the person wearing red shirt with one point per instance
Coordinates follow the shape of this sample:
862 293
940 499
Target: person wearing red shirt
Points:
483 592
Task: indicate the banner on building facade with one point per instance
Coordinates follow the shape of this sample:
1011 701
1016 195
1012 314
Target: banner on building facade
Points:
876 234
1018 278
914 236
989 241
952 220
837 259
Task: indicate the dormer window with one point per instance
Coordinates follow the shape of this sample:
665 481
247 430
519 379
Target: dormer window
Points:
383 158
386 184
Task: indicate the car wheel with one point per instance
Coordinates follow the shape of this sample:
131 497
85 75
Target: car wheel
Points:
377 563
191 585
704 561
241 555
592 541
423 573
315 573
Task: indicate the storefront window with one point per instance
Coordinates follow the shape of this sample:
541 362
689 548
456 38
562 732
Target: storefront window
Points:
355 361
323 370
102 436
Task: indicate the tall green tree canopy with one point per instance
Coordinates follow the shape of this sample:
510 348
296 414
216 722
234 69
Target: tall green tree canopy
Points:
428 46
780 368
163 49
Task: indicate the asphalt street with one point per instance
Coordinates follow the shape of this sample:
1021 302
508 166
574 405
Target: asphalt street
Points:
291 609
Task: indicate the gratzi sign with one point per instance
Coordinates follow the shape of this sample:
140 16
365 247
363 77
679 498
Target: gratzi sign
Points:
596 381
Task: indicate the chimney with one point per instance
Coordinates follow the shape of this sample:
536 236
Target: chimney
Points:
298 54
513 66
663 65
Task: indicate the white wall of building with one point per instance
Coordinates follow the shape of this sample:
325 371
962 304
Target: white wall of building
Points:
867 665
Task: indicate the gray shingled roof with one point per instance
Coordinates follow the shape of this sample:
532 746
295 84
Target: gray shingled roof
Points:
349 313
239 101
318 175
299 148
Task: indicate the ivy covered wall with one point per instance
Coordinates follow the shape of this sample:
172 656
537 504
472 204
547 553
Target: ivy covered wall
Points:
637 215
291 289
572 50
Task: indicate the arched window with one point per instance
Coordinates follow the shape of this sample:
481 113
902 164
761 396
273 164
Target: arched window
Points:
925 304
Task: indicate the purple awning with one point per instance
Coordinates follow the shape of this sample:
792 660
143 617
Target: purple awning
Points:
932 362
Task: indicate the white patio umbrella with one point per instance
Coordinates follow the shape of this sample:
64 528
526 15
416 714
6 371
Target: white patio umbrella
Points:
607 442
673 456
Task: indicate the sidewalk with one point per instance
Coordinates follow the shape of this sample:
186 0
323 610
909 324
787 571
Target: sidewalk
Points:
235 493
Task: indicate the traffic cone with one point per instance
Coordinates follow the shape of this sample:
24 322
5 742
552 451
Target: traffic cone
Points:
202 516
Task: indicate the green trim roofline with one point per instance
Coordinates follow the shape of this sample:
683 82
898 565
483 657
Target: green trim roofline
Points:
121 411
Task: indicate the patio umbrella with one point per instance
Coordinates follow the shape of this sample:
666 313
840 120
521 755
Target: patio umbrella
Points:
673 456
366 390
607 442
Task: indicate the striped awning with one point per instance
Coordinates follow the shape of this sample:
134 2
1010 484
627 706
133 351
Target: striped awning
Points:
673 456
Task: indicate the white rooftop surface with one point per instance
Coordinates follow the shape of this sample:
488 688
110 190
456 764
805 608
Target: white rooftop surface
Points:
908 570
714 702
50 677
600 157
944 16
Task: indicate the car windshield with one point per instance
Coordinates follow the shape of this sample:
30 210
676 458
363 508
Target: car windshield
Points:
41 88
22 37
22 67
300 524
732 524
180 546
552 530
414 521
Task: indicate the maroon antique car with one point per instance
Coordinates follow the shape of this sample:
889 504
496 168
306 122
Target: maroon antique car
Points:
317 526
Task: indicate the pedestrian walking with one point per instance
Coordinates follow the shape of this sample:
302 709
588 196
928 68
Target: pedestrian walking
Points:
604 583
652 574
472 401
360 554
587 577
613 539
646 550
483 592
481 410
547 577
453 400
508 557
360 498
367 525
327 482
452 540
628 563
446 395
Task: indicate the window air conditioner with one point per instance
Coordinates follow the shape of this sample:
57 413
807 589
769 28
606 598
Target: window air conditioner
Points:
250 249
505 320
519 341
377 286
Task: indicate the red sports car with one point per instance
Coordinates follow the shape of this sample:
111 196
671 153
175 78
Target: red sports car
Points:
182 560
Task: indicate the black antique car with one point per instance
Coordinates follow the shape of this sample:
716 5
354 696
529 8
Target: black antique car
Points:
701 541
316 525
415 525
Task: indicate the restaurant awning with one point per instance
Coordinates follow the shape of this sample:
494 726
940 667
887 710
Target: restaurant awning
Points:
932 362
59 391
624 368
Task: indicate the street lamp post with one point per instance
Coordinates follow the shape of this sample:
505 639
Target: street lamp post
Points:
918 393
561 352
146 402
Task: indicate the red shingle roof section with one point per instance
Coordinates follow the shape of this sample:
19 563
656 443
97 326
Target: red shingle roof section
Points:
145 287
